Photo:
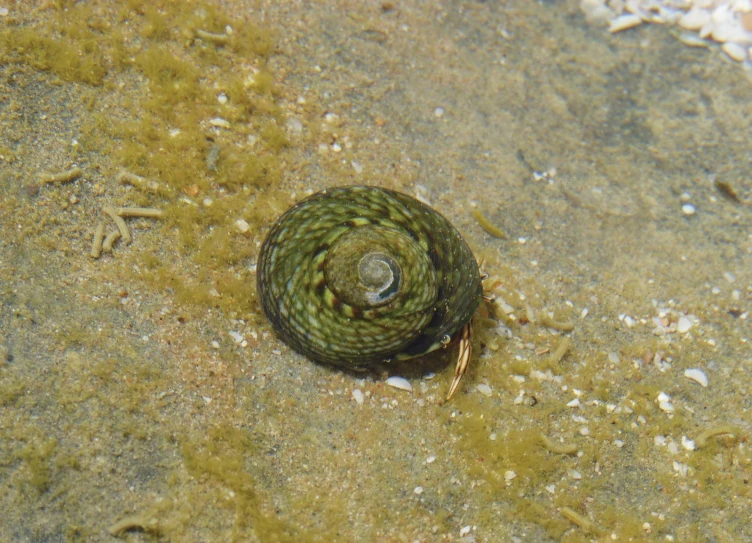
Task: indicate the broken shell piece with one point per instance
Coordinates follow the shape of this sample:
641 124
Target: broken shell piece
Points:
698 376
688 443
683 325
664 402
734 51
357 395
484 389
400 383
623 22
694 19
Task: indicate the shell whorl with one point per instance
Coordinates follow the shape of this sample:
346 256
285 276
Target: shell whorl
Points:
353 276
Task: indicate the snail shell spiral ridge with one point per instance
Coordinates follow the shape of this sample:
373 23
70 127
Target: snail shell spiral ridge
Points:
353 276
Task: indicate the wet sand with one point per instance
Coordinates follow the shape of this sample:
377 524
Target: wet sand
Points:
144 397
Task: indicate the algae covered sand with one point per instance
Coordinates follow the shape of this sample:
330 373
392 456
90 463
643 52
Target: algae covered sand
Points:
143 396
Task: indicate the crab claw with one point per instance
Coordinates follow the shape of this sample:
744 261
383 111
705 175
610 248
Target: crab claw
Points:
463 359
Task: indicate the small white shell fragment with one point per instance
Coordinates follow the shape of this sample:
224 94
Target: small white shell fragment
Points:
596 11
509 475
688 209
4 12
438 112
357 395
430 460
694 19
681 469
400 383
734 51
242 226
222 98
692 40
574 474
294 125
664 402
683 325
418 490
484 389
698 376
219 122
464 531
668 407
688 443
623 22
574 403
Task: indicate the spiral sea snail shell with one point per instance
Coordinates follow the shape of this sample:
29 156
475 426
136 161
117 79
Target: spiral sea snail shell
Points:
354 276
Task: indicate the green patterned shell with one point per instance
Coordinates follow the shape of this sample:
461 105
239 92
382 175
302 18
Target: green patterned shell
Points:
354 276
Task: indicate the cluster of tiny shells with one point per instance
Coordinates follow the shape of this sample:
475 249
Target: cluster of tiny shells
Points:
700 22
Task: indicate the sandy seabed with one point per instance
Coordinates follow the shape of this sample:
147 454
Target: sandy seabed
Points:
143 396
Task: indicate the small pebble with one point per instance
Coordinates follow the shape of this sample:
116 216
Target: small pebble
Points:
418 490
698 376
509 475
222 98
688 209
438 112
400 383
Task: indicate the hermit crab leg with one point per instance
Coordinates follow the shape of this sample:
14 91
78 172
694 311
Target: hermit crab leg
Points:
463 360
